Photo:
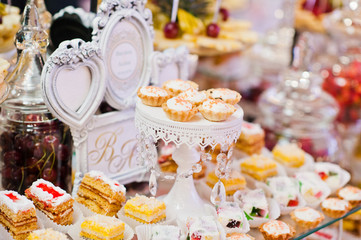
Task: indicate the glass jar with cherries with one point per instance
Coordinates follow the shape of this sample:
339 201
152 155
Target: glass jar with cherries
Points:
33 144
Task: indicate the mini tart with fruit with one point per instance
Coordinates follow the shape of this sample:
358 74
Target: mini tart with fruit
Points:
227 95
178 86
239 236
193 96
153 96
215 110
277 230
179 110
351 194
307 217
335 207
285 190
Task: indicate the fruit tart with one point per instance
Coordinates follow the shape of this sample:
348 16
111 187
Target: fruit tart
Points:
227 95
277 230
335 207
153 96
332 174
232 218
254 204
285 191
178 86
307 217
179 110
216 110
312 188
351 194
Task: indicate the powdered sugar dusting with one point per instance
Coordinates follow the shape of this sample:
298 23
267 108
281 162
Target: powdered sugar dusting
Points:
19 203
47 196
114 185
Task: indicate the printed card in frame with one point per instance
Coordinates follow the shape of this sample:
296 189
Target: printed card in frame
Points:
112 146
123 29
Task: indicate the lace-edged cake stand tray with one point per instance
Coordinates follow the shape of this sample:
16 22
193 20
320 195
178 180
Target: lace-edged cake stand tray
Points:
183 200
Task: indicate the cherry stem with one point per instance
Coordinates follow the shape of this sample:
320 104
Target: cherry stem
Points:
216 11
22 179
174 10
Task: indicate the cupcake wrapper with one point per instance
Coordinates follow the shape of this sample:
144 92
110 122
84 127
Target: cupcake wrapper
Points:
152 101
144 232
215 116
77 218
179 116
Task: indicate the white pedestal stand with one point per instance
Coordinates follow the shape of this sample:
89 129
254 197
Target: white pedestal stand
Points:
183 200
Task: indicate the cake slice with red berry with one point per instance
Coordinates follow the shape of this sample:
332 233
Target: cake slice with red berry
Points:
202 228
17 214
101 194
53 201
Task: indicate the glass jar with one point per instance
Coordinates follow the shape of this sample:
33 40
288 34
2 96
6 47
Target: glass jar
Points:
33 144
298 110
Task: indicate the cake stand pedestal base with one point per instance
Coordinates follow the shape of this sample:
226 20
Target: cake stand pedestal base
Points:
183 200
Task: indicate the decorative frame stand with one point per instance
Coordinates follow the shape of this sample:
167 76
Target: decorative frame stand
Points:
170 64
123 29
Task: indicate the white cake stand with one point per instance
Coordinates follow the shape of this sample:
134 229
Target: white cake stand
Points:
153 124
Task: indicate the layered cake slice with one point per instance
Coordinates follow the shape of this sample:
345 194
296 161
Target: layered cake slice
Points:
259 167
145 209
52 201
232 184
101 194
251 140
99 227
17 214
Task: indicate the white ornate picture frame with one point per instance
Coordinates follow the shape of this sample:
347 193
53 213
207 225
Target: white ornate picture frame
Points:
73 88
123 29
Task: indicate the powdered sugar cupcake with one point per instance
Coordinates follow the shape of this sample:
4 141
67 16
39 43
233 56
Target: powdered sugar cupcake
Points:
153 96
179 110
178 86
277 230
307 217
193 96
225 94
335 207
216 110
350 194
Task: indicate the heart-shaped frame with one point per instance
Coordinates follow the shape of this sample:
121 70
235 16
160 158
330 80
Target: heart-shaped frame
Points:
65 96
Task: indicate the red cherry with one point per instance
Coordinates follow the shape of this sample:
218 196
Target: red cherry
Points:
13 157
171 30
50 142
213 30
49 174
62 153
33 165
293 203
225 14
38 151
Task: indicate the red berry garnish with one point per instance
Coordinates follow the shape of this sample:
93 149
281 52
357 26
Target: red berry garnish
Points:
233 224
225 14
323 175
196 237
171 30
293 203
213 30
33 165
318 195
